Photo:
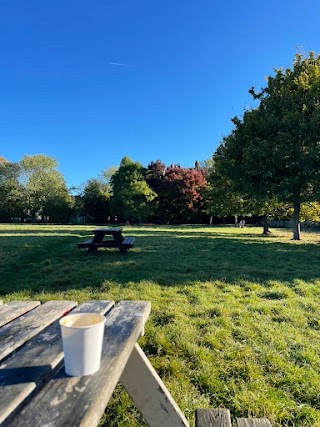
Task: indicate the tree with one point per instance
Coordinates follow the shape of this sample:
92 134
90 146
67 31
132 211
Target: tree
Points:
106 176
132 196
11 191
310 211
221 198
155 174
273 153
154 177
238 166
290 110
96 200
181 199
45 189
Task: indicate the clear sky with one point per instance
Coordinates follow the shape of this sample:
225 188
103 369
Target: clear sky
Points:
90 82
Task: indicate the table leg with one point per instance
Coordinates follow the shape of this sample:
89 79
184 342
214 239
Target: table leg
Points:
123 250
149 394
117 237
91 248
98 237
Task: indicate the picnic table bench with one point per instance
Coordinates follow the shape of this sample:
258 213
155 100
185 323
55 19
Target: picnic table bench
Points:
36 391
99 241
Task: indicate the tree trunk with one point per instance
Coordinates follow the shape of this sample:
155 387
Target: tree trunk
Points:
224 220
265 225
296 221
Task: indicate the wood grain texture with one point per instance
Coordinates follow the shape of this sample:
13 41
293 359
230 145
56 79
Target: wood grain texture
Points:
14 309
218 417
74 401
253 422
14 334
152 399
36 362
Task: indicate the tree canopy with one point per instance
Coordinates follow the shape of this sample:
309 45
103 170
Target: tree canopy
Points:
132 196
44 189
273 153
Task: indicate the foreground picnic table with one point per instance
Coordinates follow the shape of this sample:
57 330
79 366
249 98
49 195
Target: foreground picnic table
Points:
99 241
34 389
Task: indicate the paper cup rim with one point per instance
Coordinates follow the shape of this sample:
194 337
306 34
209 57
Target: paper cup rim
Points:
103 320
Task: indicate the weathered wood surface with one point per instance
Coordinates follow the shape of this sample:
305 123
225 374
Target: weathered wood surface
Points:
253 422
14 334
110 230
149 394
36 362
218 417
75 401
14 309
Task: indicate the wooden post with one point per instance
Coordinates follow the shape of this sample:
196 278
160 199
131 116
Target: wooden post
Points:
149 394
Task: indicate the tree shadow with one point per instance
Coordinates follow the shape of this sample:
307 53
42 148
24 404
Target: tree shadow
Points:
52 263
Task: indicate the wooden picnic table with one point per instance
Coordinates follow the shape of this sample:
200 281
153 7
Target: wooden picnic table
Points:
99 241
34 389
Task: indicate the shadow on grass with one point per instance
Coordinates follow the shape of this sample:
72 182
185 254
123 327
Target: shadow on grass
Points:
52 262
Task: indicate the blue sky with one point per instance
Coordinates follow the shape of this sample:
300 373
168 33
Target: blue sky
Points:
90 82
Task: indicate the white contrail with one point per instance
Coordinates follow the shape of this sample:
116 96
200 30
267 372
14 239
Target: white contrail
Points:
119 64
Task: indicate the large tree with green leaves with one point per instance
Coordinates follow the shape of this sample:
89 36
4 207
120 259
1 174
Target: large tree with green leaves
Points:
290 108
221 198
96 200
274 150
242 175
132 196
45 189
12 199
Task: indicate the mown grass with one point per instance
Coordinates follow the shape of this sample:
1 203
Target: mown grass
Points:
235 316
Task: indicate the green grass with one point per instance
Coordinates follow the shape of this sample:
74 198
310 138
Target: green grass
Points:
235 318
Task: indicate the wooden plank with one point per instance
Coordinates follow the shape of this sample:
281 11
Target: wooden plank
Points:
253 422
85 244
128 241
110 230
218 417
14 309
36 362
16 333
75 401
149 394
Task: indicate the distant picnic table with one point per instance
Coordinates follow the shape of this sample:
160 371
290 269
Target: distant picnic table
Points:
99 241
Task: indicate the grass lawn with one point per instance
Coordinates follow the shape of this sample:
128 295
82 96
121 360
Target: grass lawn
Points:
235 318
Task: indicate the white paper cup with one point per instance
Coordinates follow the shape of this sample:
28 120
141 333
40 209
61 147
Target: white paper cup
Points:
82 337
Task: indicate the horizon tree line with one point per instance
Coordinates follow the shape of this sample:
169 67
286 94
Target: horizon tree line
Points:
268 167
